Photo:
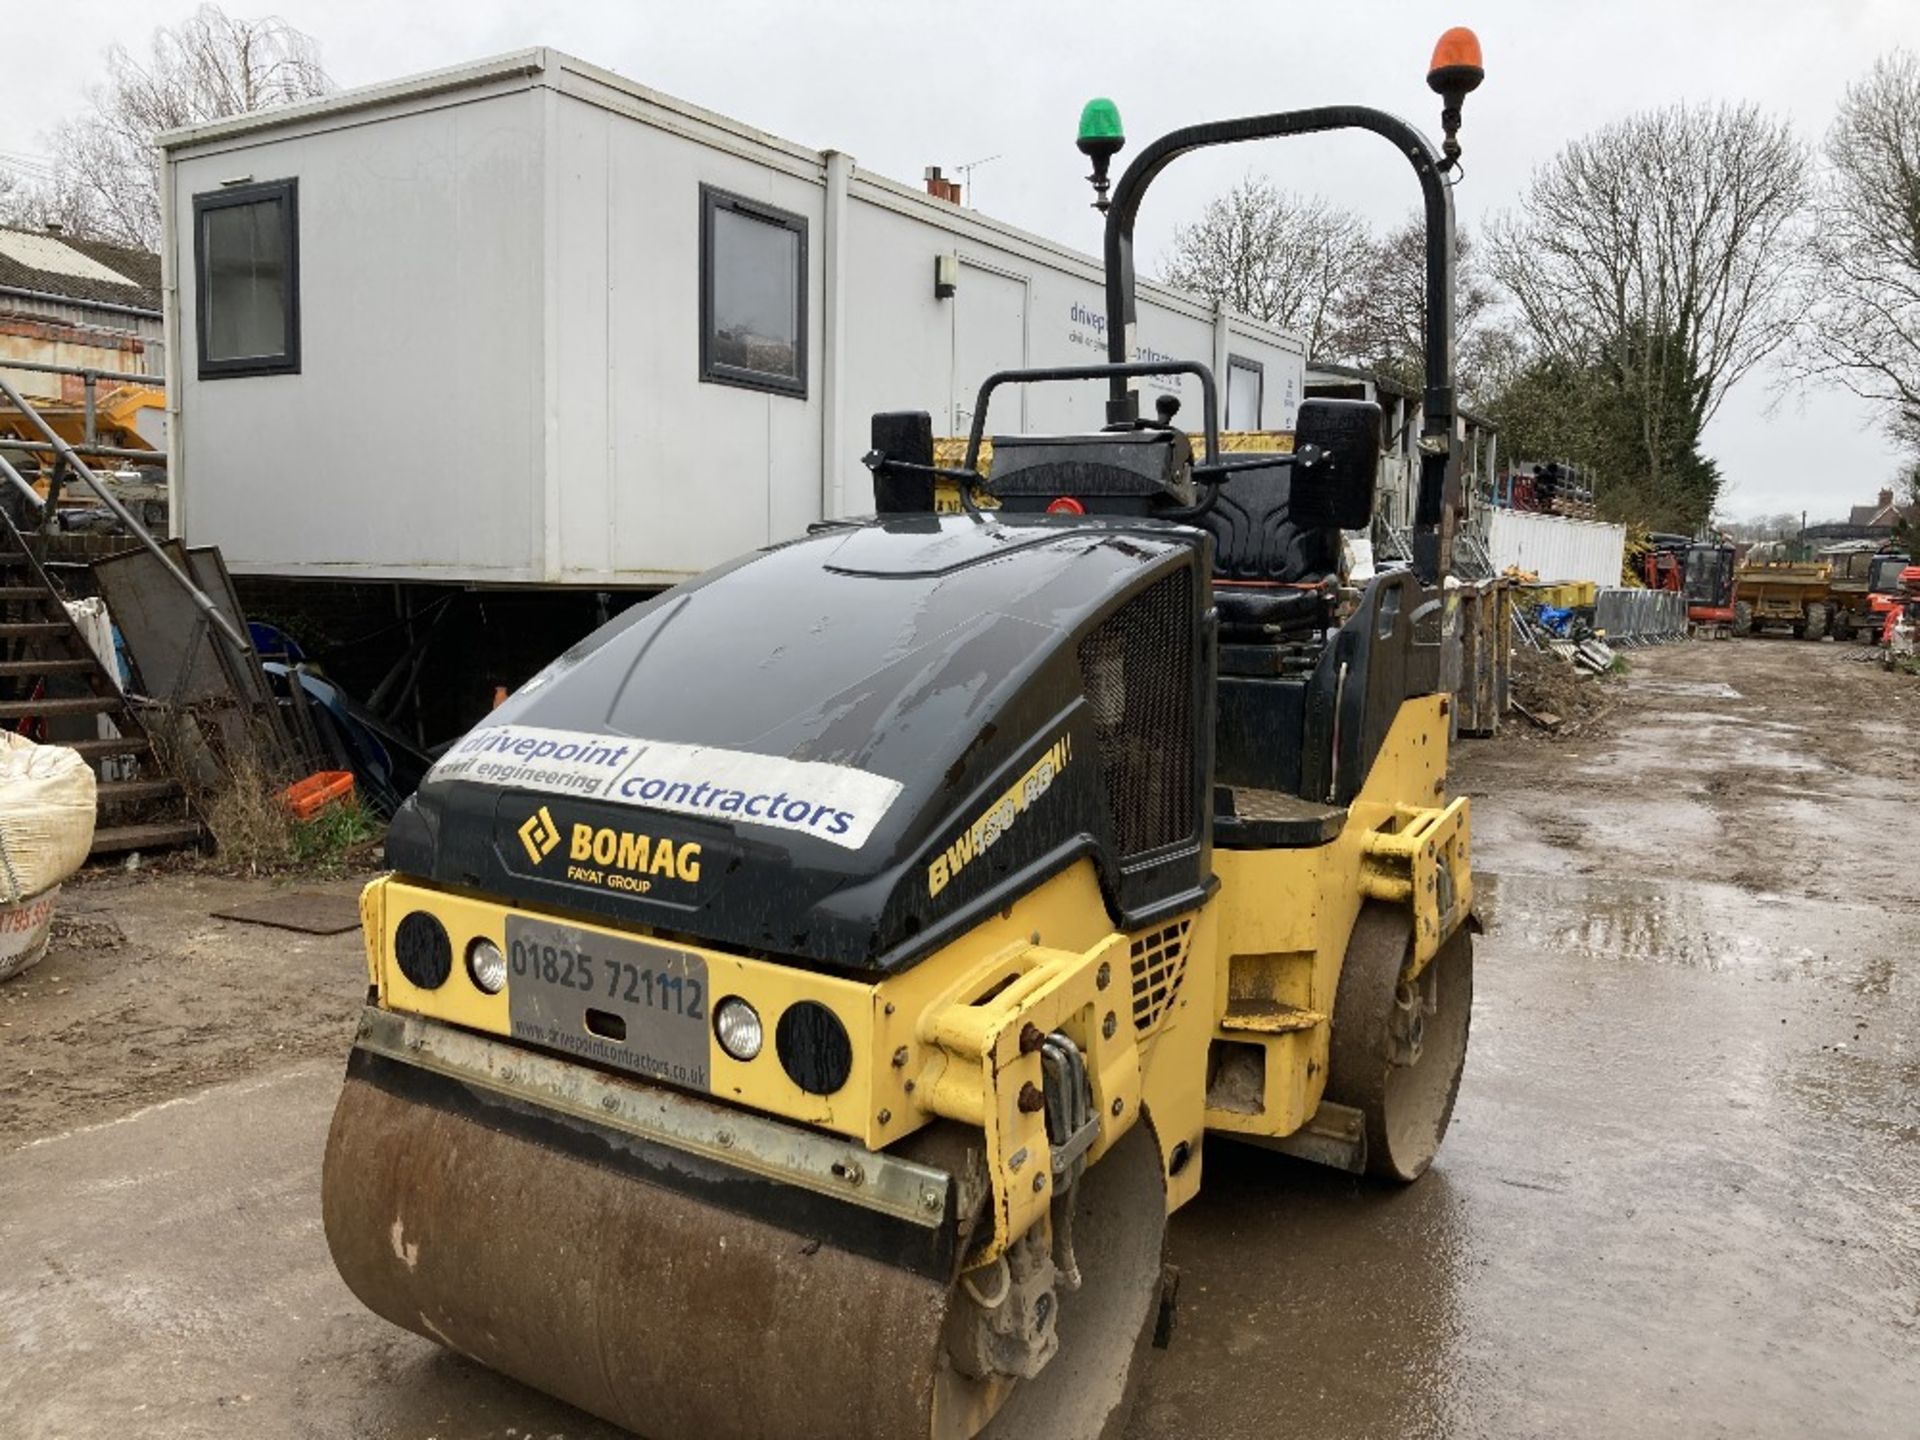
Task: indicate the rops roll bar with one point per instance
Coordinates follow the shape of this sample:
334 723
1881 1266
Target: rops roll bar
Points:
1456 71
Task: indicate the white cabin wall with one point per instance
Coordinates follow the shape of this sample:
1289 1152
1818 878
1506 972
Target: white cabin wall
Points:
695 473
899 337
908 350
500 299
581 379
410 443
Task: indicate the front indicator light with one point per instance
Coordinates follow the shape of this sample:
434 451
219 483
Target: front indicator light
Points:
422 951
814 1048
736 1024
487 966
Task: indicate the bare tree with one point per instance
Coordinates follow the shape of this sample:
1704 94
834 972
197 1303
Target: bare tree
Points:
1381 318
1863 322
106 172
1752 529
1280 258
38 203
1663 249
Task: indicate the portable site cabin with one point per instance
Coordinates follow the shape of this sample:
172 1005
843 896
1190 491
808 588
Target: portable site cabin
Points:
525 322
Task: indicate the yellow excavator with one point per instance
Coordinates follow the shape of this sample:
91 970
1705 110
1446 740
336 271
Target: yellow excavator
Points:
799 1008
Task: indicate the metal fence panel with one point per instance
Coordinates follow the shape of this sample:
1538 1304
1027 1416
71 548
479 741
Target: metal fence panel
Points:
1640 617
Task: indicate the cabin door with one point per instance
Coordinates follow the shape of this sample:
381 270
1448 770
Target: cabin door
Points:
989 334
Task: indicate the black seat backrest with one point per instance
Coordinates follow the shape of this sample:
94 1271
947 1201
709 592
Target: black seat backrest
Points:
1254 537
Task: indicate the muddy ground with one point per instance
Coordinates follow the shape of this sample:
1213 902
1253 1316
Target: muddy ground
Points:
146 996
1681 1196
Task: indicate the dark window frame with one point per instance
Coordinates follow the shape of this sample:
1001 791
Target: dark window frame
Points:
717 372
1259 369
287 362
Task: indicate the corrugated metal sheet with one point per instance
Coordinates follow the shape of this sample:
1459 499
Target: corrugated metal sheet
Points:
1555 548
75 333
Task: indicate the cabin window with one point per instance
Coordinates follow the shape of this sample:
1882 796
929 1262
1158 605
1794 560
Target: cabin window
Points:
753 294
1246 379
246 247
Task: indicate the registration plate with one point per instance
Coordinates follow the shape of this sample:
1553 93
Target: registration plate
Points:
628 1003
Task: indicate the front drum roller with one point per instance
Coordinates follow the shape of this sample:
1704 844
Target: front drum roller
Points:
1399 1047
608 1274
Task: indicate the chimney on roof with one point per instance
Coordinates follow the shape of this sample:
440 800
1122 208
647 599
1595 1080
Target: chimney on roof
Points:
1886 499
54 227
941 188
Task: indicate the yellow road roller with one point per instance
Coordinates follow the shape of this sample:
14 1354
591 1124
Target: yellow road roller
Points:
799 1008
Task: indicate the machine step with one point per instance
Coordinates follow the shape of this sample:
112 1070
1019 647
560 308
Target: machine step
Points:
1268 1017
33 629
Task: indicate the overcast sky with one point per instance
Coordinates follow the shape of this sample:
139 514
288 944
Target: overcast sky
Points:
906 84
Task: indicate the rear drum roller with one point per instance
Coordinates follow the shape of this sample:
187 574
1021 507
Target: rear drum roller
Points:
1398 1049
542 1247
535 1246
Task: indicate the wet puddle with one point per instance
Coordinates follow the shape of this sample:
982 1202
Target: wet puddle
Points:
1692 689
1698 926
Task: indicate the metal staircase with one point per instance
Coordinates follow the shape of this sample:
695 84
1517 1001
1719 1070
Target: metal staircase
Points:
48 675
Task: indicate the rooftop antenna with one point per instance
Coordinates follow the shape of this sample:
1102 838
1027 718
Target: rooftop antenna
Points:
966 177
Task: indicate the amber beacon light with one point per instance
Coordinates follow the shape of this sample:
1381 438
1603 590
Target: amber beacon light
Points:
1455 73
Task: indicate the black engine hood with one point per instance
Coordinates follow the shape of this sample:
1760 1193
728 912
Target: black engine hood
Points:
840 750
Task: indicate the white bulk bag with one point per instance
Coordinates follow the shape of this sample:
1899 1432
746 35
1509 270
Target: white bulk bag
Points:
24 929
46 816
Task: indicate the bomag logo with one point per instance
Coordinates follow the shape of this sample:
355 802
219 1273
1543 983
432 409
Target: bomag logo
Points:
982 834
607 856
627 860
539 834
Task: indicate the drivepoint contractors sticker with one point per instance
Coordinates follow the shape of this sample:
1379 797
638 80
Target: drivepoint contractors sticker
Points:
837 803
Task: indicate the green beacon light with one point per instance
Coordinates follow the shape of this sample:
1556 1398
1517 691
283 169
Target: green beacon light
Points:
1101 138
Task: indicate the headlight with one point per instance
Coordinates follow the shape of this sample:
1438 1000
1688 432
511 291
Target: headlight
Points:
737 1026
487 965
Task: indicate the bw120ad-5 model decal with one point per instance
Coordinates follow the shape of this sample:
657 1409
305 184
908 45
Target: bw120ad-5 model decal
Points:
836 803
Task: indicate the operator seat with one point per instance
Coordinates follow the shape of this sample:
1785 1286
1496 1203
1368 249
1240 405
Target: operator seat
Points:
1272 579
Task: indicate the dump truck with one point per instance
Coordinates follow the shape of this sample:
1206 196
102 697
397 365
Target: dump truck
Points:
1793 595
799 1008
1865 580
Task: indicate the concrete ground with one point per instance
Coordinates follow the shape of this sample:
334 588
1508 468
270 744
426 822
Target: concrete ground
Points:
1681 1195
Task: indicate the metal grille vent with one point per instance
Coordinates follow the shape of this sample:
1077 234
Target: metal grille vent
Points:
1159 963
1137 667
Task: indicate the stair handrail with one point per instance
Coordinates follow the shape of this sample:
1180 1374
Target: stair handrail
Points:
66 452
90 377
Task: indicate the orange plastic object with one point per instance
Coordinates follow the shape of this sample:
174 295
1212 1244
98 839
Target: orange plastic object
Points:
1457 59
307 798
